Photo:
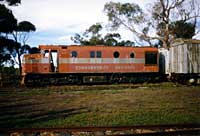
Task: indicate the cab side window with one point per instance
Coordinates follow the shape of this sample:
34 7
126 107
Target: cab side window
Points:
151 58
92 54
116 54
74 54
132 55
98 55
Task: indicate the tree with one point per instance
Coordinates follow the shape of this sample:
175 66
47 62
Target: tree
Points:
7 20
20 35
7 25
110 39
182 29
92 36
34 50
94 33
12 2
163 13
126 43
16 46
78 39
6 47
94 30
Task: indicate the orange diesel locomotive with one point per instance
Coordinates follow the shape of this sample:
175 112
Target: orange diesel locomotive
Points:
90 64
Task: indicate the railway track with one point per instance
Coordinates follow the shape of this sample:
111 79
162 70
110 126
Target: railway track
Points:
147 130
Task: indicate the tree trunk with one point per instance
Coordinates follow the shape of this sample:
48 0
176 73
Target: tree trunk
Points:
166 39
20 63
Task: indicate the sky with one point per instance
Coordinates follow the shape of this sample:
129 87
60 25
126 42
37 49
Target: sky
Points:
57 21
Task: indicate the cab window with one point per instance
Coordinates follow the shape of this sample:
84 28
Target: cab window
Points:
74 54
116 54
151 58
98 55
92 54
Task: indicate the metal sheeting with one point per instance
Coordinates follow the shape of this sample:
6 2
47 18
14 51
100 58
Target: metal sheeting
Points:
44 60
185 57
164 61
101 60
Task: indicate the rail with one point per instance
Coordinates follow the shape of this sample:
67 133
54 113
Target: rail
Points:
147 130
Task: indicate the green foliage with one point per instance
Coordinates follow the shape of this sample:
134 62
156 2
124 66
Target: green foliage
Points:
25 26
94 29
127 13
169 19
12 2
77 38
6 46
92 36
110 39
182 29
7 25
126 43
16 46
34 50
174 19
94 32
96 40
4 58
10 70
20 35
7 20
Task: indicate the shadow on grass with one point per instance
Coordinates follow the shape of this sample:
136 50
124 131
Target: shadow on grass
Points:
22 113
26 118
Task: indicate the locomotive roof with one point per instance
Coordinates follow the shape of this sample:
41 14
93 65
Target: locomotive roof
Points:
187 41
57 47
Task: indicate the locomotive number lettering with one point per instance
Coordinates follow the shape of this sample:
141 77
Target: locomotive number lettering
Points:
91 67
124 67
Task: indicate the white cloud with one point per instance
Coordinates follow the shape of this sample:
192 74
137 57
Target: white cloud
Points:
48 14
55 14
66 39
63 16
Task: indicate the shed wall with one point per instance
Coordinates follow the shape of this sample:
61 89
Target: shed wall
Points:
185 58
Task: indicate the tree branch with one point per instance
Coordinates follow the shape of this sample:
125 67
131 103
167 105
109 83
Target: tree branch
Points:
142 35
14 58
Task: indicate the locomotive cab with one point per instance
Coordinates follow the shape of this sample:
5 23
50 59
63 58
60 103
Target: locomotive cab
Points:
40 63
51 55
44 62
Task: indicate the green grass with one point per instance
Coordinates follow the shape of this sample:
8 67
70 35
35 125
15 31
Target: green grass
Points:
113 105
121 119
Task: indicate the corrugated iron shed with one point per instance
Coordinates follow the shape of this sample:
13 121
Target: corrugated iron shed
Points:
185 56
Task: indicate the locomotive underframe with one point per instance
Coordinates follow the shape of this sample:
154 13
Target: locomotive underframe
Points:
185 78
88 78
